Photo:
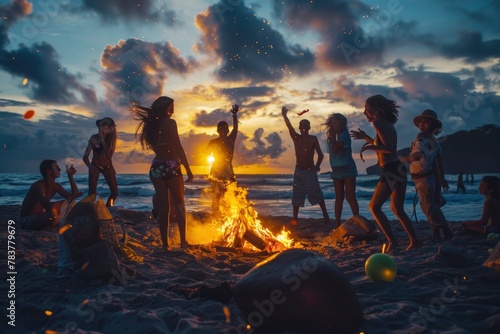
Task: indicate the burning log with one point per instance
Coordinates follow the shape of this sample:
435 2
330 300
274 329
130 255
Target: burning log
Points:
241 228
254 239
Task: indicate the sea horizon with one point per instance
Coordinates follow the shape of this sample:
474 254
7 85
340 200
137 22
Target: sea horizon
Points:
269 194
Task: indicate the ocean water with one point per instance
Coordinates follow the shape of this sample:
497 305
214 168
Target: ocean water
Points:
270 194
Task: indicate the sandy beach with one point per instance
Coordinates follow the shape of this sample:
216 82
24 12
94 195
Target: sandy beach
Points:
186 290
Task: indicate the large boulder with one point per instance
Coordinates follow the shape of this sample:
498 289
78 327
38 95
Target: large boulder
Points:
297 291
356 228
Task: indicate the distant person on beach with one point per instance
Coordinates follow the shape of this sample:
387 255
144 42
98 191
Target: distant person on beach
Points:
471 179
460 183
102 146
222 150
344 170
305 177
427 172
490 219
37 211
383 114
158 132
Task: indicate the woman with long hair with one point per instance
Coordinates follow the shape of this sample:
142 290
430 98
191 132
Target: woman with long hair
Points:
102 146
383 114
343 166
158 131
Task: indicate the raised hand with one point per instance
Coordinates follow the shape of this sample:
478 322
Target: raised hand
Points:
235 109
284 111
360 134
70 170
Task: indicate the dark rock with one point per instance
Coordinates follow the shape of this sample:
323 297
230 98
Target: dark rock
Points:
356 228
297 291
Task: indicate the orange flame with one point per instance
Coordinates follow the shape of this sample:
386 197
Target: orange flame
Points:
240 226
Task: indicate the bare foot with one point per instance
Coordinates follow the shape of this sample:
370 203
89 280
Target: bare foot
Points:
413 245
391 247
185 244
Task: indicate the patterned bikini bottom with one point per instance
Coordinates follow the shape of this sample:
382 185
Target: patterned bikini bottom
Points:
166 170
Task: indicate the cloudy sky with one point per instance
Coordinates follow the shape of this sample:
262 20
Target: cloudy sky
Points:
73 62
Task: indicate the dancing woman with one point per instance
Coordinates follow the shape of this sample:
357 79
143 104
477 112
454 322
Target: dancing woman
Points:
383 114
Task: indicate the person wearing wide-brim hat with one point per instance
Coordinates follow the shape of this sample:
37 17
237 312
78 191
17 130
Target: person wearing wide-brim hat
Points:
102 146
426 170
428 116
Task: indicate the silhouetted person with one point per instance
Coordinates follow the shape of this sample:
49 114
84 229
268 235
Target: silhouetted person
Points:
383 114
222 149
158 131
305 176
490 219
460 183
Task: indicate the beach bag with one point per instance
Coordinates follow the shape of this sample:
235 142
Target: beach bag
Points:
90 236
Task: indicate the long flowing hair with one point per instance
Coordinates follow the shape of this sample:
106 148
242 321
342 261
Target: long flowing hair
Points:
388 108
329 124
150 121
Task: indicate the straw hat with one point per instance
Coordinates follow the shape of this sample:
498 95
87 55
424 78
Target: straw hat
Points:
428 114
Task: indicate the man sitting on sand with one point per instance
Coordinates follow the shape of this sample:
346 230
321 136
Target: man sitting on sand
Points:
305 177
37 211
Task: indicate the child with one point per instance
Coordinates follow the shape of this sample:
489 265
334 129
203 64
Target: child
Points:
343 166
426 170
490 219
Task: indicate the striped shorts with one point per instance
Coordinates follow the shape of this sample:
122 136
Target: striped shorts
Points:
305 183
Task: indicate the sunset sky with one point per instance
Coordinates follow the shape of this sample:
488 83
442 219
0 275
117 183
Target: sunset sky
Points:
73 62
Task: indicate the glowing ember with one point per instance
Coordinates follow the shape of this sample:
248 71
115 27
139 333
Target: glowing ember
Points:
240 226
28 114
25 81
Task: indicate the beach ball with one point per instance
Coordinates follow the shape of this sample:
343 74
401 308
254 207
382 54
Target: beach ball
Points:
381 268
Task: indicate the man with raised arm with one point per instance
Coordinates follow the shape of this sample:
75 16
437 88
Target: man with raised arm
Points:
305 177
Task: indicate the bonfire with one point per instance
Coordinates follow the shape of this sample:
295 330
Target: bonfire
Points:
240 227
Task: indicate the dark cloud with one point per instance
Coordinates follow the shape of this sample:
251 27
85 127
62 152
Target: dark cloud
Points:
242 94
344 44
32 141
113 11
9 15
472 47
210 119
134 69
261 148
48 80
248 47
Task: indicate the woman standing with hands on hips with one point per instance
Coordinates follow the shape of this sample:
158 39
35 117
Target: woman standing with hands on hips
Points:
159 133
102 146
383 114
